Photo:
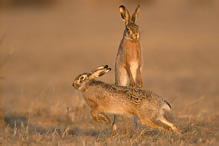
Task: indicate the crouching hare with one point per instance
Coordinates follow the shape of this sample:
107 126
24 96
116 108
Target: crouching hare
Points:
109 98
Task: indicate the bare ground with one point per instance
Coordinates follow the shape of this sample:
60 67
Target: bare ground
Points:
44 46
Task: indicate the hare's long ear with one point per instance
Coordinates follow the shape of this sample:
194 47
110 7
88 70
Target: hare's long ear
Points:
124 14
99 71
135 14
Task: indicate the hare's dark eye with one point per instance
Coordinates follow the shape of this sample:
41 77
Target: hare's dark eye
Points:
82 78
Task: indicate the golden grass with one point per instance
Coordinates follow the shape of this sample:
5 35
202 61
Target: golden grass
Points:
44 48
194 129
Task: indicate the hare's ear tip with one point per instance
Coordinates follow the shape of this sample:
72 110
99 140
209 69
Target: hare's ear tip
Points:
107 66
121 6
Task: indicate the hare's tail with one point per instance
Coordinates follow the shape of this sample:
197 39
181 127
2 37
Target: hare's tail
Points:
166 124
166 106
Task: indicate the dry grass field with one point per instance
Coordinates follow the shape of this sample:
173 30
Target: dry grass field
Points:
44 45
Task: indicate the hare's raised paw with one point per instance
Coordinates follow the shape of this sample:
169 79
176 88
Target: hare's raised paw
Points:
96 119
104 118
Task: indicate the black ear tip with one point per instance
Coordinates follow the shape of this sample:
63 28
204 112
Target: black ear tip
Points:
121 6
109 68
106 66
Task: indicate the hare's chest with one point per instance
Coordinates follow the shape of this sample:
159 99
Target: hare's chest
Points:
133 53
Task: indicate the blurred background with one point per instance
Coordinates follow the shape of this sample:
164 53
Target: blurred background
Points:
45 44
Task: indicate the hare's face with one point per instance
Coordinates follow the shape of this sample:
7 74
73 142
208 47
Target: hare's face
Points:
132 32
80 80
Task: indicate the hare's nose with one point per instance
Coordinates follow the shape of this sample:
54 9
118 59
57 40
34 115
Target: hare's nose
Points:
136 35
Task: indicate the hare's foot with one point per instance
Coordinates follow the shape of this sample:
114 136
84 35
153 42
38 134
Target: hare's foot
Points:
96 118
170 124
132 84
104 118
114 123
175 130
139 83
114 127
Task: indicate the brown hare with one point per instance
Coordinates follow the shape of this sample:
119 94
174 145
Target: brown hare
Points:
110 98
128 64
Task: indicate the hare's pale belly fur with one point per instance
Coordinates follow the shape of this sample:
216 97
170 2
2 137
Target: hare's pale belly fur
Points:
134 66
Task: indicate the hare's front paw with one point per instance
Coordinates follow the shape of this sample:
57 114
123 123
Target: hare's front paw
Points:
94 115
104 118
96 119
132 84
140 83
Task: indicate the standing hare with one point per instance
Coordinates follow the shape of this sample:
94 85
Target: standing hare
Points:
110 98
128 63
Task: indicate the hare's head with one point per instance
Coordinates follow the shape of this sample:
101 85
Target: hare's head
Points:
84 78
131 31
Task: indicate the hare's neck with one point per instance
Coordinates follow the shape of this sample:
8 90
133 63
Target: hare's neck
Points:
91 84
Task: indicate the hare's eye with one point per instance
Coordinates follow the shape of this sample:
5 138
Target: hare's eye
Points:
82 78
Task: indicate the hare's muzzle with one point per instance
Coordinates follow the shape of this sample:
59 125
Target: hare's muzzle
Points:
135 36
76 86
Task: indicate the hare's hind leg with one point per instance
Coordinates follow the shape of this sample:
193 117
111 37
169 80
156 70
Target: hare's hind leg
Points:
160 123
121 77
154 124
114 122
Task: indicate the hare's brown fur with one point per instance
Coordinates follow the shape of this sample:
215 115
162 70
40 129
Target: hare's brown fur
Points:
128 64
110 98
